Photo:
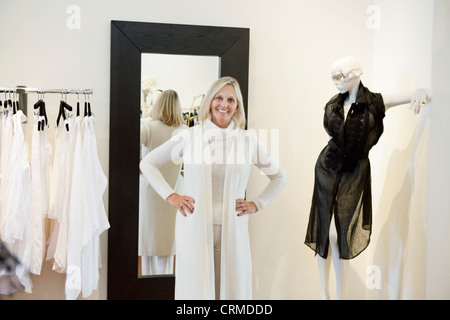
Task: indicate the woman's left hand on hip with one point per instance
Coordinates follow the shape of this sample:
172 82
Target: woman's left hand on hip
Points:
245 207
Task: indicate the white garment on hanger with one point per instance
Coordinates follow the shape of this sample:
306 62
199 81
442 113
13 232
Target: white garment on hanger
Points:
87 216
60 195
95 183
7 135
41 157
17 219
10 280
2 120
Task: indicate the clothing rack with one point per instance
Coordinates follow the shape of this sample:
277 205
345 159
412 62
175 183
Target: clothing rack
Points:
22 91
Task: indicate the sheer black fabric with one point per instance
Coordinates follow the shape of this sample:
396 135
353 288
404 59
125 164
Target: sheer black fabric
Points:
342 182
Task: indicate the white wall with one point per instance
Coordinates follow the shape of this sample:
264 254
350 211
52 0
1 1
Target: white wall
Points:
401 159
438 257
189 76
292 45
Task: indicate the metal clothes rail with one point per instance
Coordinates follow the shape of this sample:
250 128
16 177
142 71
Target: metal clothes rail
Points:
22 92
22 89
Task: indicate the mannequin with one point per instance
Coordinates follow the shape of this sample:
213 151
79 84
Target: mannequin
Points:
150 94
342 187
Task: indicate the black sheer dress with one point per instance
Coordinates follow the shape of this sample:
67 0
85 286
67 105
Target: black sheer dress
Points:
342 182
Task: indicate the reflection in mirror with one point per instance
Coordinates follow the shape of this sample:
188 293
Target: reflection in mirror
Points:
129 40
189 77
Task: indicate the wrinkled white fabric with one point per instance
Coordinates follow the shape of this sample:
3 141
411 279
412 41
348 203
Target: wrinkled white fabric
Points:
57 186
41 157
60 196
66 186
95 183
87 215
60 255
77 208
7 135
16 230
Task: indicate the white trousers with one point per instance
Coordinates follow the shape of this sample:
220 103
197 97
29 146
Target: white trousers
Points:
217 231
155 265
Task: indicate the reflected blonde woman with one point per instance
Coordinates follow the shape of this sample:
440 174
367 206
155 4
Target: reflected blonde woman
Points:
156 217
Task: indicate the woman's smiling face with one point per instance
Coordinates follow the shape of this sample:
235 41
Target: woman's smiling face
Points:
223 106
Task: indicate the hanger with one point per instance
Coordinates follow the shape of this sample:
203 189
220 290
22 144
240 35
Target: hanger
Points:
87 105
78 104
15 104
36 106
63 105
5 103
42 112
9 100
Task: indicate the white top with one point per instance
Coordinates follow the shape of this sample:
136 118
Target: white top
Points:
219 147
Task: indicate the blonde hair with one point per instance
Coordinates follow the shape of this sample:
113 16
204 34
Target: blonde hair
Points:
167 109
205 106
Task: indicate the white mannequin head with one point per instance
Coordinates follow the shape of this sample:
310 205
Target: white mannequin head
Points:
346 73
148 83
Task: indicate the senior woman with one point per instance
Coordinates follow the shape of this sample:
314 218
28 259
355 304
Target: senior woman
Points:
211 233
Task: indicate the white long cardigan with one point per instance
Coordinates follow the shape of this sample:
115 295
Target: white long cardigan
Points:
194 233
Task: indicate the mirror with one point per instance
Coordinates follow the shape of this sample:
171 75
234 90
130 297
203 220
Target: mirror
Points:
189 76
129 40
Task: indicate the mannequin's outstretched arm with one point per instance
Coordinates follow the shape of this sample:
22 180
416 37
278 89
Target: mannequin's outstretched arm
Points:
417 99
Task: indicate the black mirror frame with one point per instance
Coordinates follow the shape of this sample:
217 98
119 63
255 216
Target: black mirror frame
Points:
128 41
